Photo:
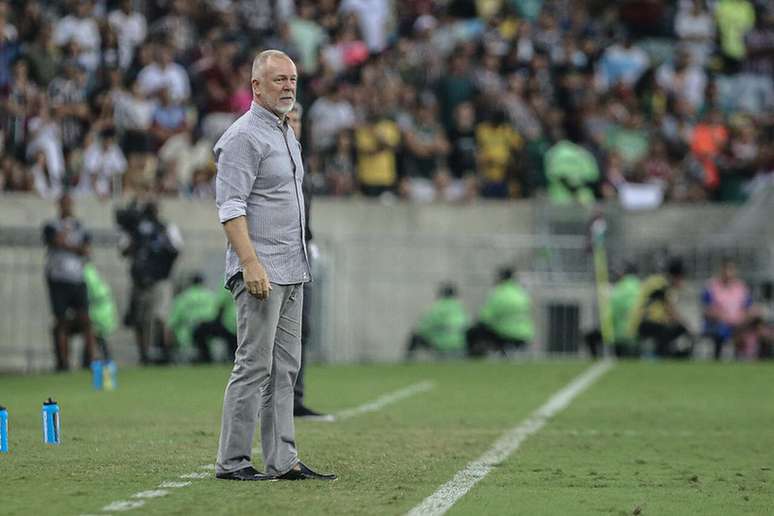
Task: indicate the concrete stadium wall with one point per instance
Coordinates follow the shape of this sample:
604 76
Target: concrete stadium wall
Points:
381 264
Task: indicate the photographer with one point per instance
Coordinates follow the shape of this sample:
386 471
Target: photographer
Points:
152 246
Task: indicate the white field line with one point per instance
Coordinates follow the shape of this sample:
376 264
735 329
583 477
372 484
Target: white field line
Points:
141 497
448 494
387 399
379 403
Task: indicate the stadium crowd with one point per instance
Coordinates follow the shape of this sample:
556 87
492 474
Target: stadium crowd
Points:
421 99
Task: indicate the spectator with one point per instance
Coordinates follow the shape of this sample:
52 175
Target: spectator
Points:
425 148
131 28
103 166
328 115
695 27
685 80
505 321
376 141
68 103
441 328
177 26
217 76
454 87
498 144
572 172
340 169
20 101
622 63
726 301
734 19
307 36
81 28
463 166
43 56
346 52
656 315
45 152
163 74
707 142
373 16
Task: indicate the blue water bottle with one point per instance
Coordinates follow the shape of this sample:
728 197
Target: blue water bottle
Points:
97 375
3 429
51 428
103 375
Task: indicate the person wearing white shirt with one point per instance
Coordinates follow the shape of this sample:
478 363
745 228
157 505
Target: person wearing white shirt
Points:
165 74
103 164
131 28
695 26
328 115
82 28
372 15
45 149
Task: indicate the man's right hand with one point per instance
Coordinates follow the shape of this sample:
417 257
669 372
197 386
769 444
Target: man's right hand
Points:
256 279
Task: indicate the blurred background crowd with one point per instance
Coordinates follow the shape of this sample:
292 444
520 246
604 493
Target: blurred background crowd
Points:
640 100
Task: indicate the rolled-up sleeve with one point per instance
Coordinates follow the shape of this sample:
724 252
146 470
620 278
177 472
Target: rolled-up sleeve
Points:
238 159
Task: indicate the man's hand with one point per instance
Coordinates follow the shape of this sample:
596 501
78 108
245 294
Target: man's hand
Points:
256 280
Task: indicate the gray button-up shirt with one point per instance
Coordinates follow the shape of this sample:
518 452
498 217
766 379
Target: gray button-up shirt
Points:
260 174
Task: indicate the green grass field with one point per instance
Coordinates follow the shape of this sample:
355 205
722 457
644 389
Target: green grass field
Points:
646 438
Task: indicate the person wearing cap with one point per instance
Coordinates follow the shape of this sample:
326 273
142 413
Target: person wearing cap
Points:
261 206
441 328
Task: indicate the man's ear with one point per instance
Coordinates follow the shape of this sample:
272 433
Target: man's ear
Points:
254 86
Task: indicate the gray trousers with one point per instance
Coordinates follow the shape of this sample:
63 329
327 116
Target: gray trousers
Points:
261 384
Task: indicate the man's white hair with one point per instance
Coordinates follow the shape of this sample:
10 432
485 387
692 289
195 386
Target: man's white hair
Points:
260 62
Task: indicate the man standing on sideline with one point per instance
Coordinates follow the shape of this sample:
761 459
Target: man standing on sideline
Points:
68 246
261 207
299 409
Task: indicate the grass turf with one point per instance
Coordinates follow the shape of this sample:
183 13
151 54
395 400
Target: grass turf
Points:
646 438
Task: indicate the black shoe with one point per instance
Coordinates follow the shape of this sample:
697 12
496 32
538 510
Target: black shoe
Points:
304 473
248 473
302 412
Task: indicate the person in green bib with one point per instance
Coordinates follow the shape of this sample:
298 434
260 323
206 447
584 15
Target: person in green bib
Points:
222 326
441 328
505 321
623 300
102 308
193 305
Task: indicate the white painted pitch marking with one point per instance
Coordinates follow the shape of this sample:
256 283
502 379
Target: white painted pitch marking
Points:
126 505
208 467
386 399
448 494
171 484
153 493
196 475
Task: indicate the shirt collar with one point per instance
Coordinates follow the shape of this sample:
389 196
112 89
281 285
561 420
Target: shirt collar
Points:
263 113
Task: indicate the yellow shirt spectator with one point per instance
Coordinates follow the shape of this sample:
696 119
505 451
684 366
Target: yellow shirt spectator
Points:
496 144
375 144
